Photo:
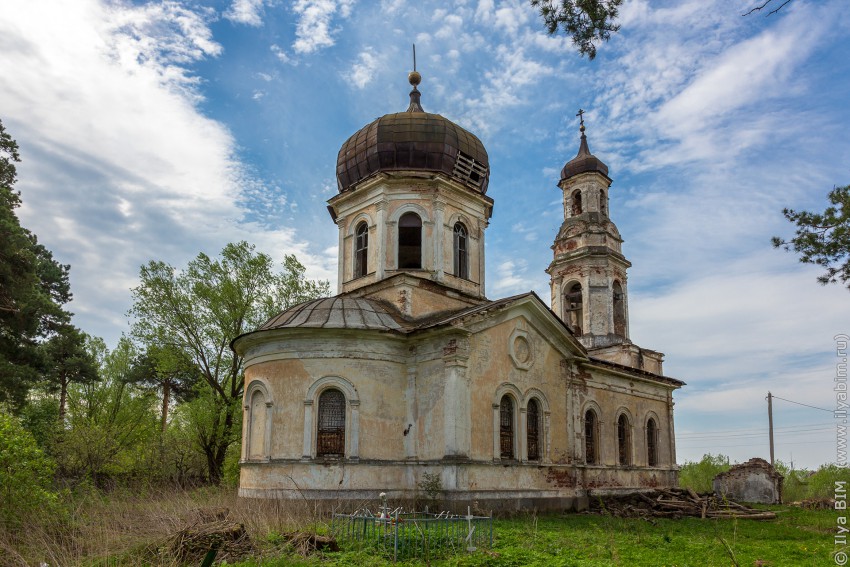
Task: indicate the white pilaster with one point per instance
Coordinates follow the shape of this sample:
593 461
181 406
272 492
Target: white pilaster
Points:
307 453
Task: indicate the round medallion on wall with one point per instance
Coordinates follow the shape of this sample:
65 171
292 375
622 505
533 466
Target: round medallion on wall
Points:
520 349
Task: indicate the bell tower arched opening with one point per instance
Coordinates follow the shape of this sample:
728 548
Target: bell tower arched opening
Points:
619 301
574 308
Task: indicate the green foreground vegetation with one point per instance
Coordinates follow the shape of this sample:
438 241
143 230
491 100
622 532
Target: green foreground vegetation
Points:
135 528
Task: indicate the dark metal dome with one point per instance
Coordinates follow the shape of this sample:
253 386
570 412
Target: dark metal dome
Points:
584 161
413 140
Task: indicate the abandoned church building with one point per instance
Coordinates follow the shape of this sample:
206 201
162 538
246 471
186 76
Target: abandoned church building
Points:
410 369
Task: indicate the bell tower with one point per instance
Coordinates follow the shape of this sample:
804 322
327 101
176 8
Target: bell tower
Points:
588 270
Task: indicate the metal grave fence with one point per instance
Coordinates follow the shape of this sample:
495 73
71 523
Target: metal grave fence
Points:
406 535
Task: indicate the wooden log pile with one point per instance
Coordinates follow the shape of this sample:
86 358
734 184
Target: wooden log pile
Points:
673 503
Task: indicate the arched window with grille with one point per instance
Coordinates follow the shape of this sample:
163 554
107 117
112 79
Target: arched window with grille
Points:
330 437
533 430
410 242
461 251
651 443
591 443
506 428
624 440
361 250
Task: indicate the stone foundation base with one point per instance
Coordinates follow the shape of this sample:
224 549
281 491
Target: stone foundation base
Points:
483 487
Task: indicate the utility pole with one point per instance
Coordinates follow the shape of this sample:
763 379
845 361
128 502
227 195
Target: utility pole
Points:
770 423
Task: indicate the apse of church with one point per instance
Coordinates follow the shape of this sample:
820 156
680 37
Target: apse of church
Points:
411 369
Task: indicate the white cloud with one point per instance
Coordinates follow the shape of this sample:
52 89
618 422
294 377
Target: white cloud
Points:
510 18
451 26
248 12
511 278
364 69
281 55
688 80
103 105
313 29
485 10
507 82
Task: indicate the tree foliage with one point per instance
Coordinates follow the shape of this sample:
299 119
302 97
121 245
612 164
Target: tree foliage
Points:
33 288
588 22
823 238
110 427
699 475
67 362
170 371
26 474
200 309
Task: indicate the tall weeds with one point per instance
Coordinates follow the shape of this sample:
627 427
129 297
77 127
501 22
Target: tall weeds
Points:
131 527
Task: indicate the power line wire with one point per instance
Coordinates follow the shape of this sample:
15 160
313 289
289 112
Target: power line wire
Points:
724 447
787 431
800 404
786 427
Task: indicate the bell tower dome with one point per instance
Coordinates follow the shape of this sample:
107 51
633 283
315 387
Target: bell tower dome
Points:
412 201
588 271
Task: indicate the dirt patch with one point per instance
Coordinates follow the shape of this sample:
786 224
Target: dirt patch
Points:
306 543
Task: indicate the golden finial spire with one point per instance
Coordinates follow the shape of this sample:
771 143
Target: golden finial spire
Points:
414 78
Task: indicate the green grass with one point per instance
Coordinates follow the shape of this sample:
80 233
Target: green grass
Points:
128 528
797 537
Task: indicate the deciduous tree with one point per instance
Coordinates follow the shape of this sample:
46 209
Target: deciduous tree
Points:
26 474
200 309
169 370
111 425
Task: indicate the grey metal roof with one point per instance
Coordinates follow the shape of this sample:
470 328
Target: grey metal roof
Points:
335 313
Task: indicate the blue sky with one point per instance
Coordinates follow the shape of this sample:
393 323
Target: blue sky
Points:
157 130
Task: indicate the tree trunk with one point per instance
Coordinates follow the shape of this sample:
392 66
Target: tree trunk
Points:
213 465
216 450
166 398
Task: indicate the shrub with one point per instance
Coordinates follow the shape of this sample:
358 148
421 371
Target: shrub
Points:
26 474
822 481
699 475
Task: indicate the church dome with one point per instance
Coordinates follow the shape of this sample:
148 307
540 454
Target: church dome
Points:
335 313
584 161
413 140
